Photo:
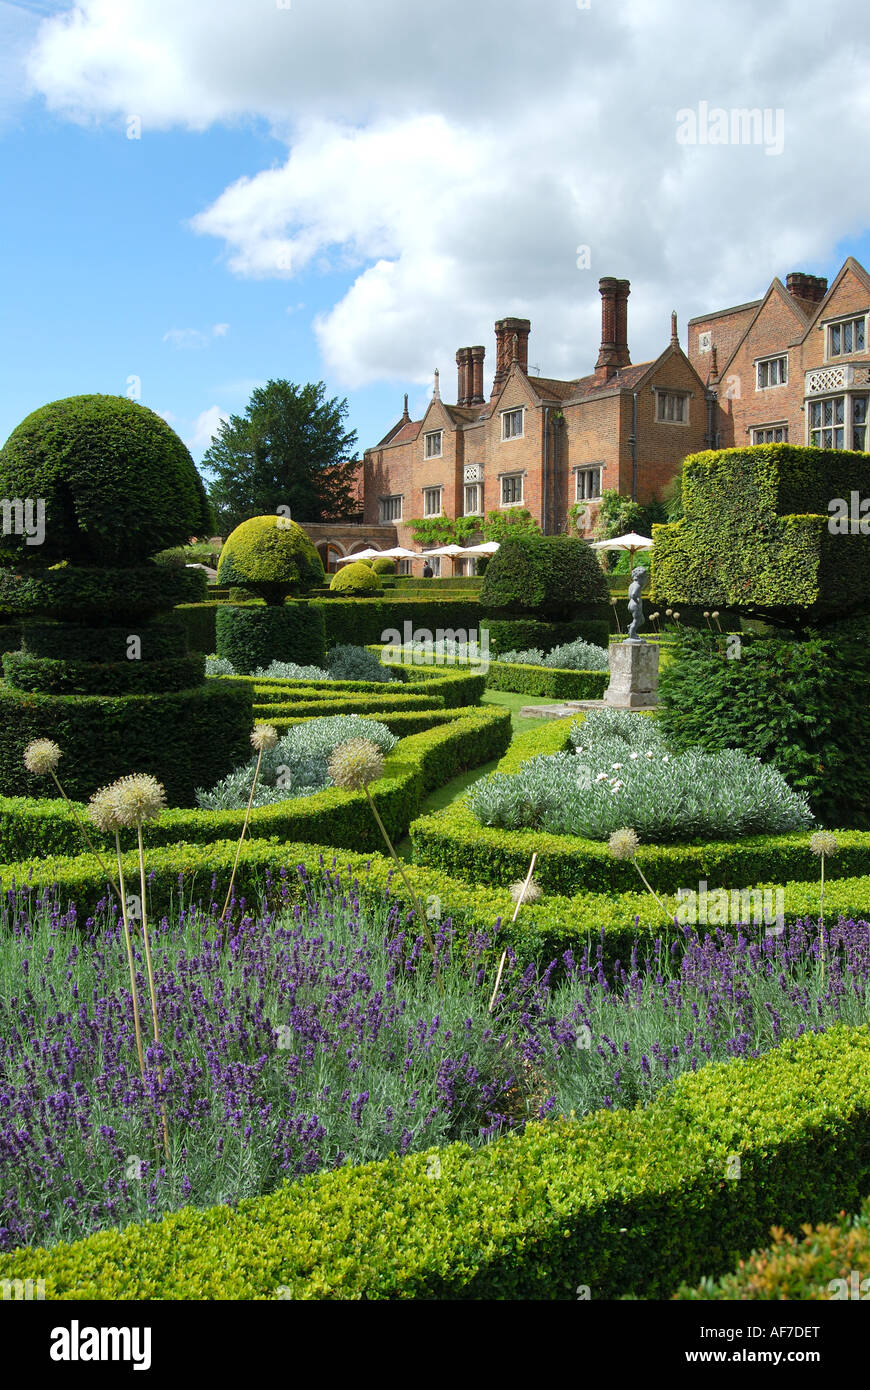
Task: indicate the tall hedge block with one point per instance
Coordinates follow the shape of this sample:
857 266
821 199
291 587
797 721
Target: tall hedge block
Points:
761 533
253 637
549 575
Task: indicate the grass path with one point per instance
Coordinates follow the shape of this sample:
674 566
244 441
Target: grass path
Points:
452 790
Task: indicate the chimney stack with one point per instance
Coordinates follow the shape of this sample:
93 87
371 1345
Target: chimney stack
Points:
463 363
477 355
614 325
505 330
810 288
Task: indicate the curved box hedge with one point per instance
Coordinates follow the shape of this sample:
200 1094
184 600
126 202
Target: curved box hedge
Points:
453 840
420 762
621 1202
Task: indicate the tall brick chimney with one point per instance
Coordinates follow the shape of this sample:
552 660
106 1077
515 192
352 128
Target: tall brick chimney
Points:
614 325
504 335
463 363
477 355
809 288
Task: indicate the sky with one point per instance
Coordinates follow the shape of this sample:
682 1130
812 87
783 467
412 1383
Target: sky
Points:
198 197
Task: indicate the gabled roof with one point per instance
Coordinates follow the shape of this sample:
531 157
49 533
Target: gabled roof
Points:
849 264
798 309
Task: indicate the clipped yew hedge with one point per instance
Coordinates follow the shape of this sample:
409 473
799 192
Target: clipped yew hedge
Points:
547 680
621 1202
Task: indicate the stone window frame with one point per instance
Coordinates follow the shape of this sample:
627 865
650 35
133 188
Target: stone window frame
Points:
761 362
848 424
776 425
434 487
661 394
475 511
429 451
513 474
514 410
839 322
382 501
584 469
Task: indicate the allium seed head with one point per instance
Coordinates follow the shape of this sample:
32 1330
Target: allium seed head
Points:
102 811
823 842
533 893
715 613
623 844
137 798
41 756
356 763
264 737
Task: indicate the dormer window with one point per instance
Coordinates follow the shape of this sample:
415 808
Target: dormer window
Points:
672 408
771 371
432 444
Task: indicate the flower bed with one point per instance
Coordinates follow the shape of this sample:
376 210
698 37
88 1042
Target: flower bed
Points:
629 1201
421 762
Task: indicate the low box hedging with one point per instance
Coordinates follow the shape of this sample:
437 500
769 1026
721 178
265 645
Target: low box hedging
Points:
312 704
519 634
832 1261
419 763
453 840
547 680
622 1201
42 676
454 686
362 620
447 583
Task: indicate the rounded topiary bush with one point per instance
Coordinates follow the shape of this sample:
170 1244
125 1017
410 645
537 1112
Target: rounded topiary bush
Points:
384 566
356 579
550 575
116 482
271 556
251 638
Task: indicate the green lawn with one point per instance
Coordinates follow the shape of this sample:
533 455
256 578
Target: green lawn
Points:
515 703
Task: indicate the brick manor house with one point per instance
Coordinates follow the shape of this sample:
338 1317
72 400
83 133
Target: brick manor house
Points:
792 366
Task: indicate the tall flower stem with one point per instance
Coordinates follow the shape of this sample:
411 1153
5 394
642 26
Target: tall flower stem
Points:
415 900
522 894
86 837
650 888
822 917
133 988
151 980
244 831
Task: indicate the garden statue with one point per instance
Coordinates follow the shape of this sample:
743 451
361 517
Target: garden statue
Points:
639 576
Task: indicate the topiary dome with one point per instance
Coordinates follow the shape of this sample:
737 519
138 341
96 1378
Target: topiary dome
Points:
357 578
272 556
116 481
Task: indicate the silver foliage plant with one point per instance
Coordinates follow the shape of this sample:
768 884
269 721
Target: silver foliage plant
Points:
297 766
622 773
571 656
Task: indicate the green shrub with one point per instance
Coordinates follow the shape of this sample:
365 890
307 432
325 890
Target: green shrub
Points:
548 574
40 675
99 595
355 578
183 738
271 556
199 621
622 1202
349 663
384 566
252 637
516 634
117 482
803 706
296 766
421 762
832 1261
161 640
755 535
544 680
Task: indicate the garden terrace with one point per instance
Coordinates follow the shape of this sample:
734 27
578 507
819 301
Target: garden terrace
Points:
625 1201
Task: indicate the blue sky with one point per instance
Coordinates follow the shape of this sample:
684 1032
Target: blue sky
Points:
329 191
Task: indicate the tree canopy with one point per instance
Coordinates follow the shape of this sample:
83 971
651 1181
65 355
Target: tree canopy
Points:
289 450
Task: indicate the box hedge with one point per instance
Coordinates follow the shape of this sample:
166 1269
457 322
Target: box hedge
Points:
621 1202
519 634
252 636
547 680
420 763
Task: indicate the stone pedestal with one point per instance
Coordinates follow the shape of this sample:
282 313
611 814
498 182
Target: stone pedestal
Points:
634 675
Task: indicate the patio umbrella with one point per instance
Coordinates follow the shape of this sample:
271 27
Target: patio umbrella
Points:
486 548
631 542
399 552
450 551
359 555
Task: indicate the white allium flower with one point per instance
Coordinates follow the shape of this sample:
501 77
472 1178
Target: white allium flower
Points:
356 763
823 842
137 798
533 893
41 756
264 737
623 844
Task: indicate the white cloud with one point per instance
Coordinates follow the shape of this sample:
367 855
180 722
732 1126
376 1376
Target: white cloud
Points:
204 428
453 168
169 416
195 337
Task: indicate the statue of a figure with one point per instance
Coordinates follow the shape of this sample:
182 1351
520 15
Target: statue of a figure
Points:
639 576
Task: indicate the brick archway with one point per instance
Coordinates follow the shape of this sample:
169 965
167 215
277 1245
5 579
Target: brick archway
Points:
332 539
